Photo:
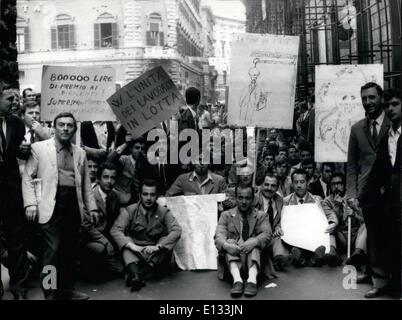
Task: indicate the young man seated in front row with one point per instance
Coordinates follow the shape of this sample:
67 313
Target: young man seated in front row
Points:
145 233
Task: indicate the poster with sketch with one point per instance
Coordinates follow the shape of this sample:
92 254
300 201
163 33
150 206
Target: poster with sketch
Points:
338 106
262 86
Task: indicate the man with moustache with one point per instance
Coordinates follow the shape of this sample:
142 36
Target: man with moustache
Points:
145 233
364 139
270 202
381 204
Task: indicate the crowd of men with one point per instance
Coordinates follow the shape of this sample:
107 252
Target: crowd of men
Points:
93 209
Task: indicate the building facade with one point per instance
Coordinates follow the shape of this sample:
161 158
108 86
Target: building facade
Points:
223 34
334 32
130 35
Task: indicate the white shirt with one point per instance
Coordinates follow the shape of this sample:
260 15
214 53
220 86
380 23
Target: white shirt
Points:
102 193
27 136
4 127
304 199
201 185
192 111
266 204
324 187
393 143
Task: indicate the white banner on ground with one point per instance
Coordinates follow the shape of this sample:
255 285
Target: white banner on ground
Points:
304 226
263 74
146 101
338 106
198 217
80 90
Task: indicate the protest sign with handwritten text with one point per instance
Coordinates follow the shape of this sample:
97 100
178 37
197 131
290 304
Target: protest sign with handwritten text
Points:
146 101
80 90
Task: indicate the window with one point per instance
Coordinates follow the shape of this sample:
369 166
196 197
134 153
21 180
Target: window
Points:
105 32
63 34
23 43
155 31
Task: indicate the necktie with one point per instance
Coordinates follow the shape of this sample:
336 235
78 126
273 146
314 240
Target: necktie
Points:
246 228
2 137
32 140
270 212
301 201
375 134
328 190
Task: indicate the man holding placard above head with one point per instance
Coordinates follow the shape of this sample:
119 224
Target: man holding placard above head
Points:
300 196
363 144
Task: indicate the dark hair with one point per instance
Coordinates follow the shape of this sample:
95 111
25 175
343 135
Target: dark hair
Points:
149 183
291 146
244 187
299 171
65 115
308 161
4 86
138 140
27 105
283 149
24 92
392 93
268 152
339 174
192 95
106 165
271 175
280 162
372 85
327 164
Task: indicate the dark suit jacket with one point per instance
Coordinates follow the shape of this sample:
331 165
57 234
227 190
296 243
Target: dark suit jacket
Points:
186 120
361 155
107 218
10 177
316 189
383 183
88 135
278 201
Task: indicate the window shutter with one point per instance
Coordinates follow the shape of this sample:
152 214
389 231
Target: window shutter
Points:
97 35
27 39
149 39
161 39
71 36
115 36
54 37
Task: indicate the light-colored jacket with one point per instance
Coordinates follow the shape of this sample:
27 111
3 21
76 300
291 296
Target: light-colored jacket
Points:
42 164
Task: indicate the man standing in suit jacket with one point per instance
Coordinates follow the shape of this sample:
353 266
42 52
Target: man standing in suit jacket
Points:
364 138
380 200
11 211
66 197
188 114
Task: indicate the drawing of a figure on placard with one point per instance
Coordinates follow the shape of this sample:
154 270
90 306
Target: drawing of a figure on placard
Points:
253 98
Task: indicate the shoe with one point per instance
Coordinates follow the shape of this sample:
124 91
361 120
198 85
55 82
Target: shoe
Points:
237 289
19 294
50 294
251 289
136 283
358 258
71 295
298 260
333 260
363 278
317 260
374 293
279 263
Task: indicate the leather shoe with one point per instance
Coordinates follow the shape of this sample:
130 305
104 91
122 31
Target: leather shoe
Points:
71 295
280 263
363 278
358 258
374 293
298 260
237 289
136 283
317 259
250 290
